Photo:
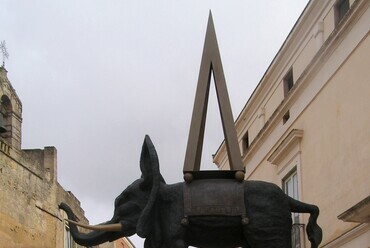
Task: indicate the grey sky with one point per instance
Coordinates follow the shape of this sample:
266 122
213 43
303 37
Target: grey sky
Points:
95 76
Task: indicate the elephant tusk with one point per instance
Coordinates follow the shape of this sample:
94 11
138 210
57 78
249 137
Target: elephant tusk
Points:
108 227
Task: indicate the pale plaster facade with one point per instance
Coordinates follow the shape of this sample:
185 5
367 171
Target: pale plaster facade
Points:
320 128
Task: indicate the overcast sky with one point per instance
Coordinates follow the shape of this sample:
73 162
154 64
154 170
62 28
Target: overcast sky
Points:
95 76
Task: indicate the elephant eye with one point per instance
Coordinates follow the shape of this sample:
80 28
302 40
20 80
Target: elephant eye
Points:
126 208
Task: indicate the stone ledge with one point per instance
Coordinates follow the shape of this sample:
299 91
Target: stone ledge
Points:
359 213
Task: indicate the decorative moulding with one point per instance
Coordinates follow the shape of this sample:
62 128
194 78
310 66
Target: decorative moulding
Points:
346 238
359 213
285 146
316 64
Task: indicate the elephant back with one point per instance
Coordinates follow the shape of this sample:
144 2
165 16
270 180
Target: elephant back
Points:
215 197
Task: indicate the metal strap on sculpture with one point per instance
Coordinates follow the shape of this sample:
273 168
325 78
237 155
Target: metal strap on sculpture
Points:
211 62
212 193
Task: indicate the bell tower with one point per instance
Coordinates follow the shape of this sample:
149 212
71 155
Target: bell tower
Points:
10 115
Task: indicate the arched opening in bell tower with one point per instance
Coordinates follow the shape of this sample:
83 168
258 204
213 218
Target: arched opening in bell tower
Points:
5 118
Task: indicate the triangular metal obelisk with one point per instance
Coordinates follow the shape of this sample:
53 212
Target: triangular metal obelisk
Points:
211 62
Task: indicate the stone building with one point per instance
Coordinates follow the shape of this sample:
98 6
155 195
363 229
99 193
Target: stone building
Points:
306 127
124 243
29 190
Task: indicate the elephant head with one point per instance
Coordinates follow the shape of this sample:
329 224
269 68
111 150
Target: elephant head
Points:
134 207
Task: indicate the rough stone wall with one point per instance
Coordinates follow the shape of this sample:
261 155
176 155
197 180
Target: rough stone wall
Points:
30 194
29 190
11 109
123 243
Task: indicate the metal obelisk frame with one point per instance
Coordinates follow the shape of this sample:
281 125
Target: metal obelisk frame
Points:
211 62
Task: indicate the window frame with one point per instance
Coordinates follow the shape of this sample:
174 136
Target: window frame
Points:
339 12
286 117
287 159
245 142
292 176
288 81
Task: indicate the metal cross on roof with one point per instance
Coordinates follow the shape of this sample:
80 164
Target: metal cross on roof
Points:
211 62
4 51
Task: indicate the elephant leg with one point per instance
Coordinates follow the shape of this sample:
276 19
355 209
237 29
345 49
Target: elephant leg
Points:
269 243
179 244
268 238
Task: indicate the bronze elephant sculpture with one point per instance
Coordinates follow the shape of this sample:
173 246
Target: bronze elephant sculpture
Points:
155 210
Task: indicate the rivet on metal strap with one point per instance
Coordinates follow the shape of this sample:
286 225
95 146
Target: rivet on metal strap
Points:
184 221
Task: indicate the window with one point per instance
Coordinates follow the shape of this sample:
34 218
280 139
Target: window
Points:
297 234
290 187
245 142
5 116
68 240
287 158
286 117
340 9
2 123
288 82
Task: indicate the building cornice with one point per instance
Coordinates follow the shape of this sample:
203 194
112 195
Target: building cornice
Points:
293 138
358 213
289 49
337 36
327 49
348 236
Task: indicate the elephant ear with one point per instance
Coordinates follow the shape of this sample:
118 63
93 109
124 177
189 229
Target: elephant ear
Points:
152 177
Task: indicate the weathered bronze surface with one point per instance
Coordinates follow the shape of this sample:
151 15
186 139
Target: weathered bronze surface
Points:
211 62
211 209
214 197
155 211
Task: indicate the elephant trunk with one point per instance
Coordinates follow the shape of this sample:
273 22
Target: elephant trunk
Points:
89 239
104 227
